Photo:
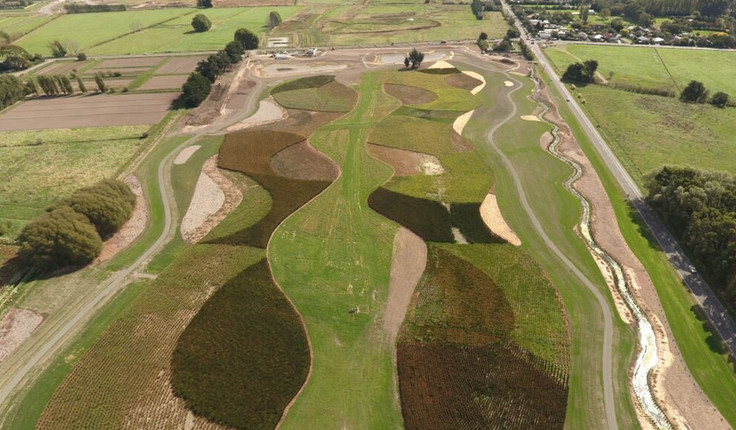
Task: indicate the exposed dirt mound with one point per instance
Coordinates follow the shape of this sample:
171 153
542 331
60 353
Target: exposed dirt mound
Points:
208 198
461 80
409 95
302 161
132 228
16 327
407 163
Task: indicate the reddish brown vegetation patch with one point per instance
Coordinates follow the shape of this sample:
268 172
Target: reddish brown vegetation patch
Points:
405 163
457 367
461 80
460 144
302 161
409 95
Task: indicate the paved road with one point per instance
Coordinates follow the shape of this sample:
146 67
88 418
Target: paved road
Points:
714 310
71 325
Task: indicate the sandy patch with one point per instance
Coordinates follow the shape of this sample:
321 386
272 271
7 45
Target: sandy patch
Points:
508 83
407 163
441 64
184 155
133 228
674 388
529 118
407 265
16 327
492 217
214 197
268 111
461 122
479 77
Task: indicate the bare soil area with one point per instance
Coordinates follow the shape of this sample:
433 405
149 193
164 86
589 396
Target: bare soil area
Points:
407 265
479 77
117 63
492 217
121 70
676 391
208 199
462 80
407 163
291 163
180 64
268 111
131 229
164 82
61 67
409 95
16 327
186 153
87 111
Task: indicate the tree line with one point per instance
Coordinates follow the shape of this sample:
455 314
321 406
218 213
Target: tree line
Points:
699 208
70 233
199 84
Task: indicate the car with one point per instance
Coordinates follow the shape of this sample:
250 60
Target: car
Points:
692 269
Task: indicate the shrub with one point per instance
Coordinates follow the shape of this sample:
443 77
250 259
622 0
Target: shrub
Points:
246 38
720 99
201 23
101 87
107 204
57 49
244 355
81 56
274 19
195 90
60 238
694 92
204 4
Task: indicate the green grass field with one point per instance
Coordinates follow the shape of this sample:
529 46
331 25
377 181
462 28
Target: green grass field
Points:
91 29
177 35
35 176
332 256
18 25
710 368
647 132
653 67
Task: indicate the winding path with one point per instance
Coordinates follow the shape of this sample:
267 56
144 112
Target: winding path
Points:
608 396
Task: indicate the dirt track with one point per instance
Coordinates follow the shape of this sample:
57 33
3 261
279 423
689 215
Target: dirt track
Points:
408 261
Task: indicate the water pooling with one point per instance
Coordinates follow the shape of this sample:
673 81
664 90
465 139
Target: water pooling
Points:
648 355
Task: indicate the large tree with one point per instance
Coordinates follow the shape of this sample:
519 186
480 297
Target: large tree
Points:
274 19
246 38
201 23
195 90
416 58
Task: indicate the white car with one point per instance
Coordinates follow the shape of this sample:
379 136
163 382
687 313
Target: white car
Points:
692 269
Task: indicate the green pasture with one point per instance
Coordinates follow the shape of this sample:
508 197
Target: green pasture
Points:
37 175
90 29
177 35
647 132
708 365
653 67
334 256
404 23
558 212
18 25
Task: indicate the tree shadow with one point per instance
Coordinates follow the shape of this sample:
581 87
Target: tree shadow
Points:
713 340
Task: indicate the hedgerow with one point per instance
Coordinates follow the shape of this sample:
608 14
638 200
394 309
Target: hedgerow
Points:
244 355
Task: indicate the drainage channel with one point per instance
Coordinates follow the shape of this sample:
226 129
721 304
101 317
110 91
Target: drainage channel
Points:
648 356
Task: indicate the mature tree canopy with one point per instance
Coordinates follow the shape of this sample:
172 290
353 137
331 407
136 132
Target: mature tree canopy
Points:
60 238
107 204
204 4
416 58
247 38
101 87
195 90
719 99
58 50
581 72
234 51
201 23
274 19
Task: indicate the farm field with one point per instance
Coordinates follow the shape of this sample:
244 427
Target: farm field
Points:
87 111
176 35
37 175
88 30
386 23
653 67
18 25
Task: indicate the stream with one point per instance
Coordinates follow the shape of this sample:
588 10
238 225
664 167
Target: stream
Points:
647 357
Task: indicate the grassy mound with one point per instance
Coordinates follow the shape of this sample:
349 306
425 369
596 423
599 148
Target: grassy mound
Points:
251 153
316 93
245 354
457 366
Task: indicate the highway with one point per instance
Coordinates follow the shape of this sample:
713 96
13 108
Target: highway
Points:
712 307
